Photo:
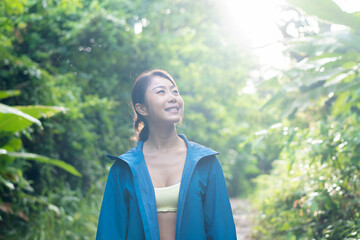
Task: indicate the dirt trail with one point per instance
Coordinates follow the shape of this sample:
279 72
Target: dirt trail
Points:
243 217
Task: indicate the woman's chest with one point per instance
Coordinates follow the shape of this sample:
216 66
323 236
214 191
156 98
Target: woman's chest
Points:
165 169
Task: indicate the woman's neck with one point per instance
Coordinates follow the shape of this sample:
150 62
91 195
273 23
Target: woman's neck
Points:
162 139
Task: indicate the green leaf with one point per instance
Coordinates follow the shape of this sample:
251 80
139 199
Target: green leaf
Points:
309 78
329 11
337 79
9 93
14 144
324 55
274 99
349 65
14 120
340 103
39 111
7 183
61 164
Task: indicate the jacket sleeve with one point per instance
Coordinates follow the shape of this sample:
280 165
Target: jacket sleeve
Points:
219 221
113 220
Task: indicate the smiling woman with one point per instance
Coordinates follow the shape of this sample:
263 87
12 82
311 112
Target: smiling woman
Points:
166 187
162 104
161 85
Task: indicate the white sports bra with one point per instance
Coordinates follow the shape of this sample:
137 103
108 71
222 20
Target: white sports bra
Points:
167 198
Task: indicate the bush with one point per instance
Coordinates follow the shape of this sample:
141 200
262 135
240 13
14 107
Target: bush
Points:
318 196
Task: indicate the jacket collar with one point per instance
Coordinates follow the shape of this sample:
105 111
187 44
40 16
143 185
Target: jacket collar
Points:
195 150
144 188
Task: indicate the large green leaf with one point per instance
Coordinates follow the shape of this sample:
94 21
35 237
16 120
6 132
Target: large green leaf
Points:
61 164
9 93
14 120
39 111
14 144
17 118
329 11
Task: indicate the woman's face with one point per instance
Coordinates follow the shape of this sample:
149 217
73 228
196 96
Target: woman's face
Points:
163 102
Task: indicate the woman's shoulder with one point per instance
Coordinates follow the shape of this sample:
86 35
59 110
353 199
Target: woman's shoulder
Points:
122 161
127 156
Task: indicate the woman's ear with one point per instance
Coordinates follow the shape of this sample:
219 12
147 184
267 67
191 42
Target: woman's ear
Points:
141 109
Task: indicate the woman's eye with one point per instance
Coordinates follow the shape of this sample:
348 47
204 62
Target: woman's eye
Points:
175 91
160 91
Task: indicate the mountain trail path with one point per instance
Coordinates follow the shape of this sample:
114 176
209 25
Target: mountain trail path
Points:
244 217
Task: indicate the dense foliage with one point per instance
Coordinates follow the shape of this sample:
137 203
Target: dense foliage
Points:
313 190
82 57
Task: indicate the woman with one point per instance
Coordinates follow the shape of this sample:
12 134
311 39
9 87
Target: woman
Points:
166 187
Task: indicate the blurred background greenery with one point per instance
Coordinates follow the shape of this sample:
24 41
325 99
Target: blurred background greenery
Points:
280 102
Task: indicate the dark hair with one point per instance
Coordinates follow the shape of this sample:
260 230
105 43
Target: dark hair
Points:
138 96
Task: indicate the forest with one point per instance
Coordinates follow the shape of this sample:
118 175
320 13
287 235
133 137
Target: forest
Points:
289 135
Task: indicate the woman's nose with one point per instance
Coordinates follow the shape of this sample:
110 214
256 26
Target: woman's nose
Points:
172 98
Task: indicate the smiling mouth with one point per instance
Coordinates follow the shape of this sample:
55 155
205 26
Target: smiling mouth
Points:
172 109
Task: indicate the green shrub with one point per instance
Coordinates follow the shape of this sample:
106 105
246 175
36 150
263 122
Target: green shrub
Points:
318 196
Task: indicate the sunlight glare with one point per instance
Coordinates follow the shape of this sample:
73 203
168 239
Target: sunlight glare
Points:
254 21
349 6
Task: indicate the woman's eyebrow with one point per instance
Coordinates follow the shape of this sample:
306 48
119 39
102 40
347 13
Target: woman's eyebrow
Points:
161 86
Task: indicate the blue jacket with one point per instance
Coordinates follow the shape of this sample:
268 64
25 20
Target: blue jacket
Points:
128 209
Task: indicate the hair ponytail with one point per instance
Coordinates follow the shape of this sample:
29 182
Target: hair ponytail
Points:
141 128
